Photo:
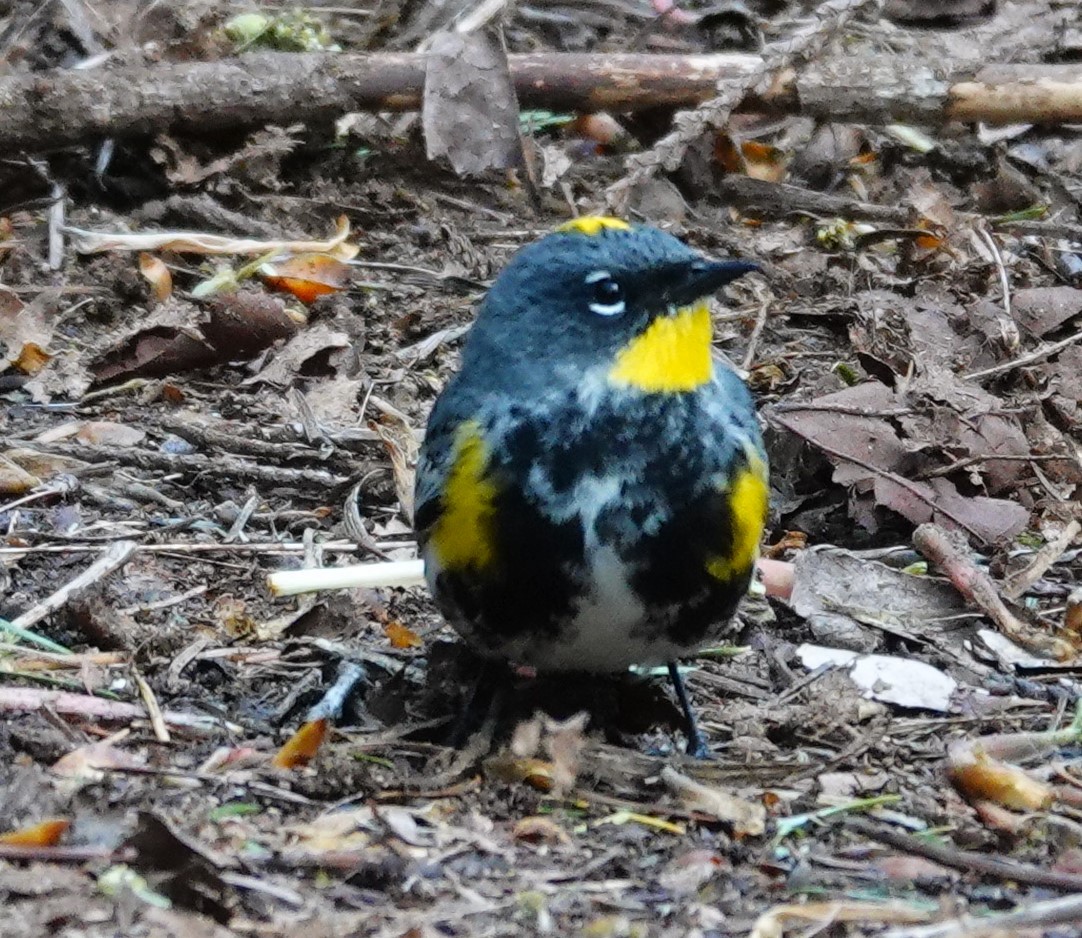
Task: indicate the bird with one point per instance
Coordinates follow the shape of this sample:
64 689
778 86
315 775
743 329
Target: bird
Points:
592 486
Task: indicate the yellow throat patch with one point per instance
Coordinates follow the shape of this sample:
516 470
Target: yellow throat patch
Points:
671 356
593 225
748 499
463 535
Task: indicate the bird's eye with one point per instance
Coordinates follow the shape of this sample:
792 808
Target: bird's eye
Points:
608 295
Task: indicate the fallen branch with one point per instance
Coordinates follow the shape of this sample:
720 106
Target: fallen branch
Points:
977 587
776 199
115 557
1017 583
1066 910
29 699
966 860
63 107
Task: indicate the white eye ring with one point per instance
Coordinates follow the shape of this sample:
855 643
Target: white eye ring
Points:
617 306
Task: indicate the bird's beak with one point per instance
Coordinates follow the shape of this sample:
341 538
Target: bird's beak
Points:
703 277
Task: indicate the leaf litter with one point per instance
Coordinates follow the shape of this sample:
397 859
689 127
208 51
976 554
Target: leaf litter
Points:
917 364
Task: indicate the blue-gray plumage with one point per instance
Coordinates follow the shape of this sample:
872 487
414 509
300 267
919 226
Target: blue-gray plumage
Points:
592 489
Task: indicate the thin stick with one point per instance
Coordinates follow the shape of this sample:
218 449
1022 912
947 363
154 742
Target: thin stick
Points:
1004 281
1015 585
180 547
1067 910
166 603
966 860
1029 359
115 557
756 333
24 660
355 576
154 710
978 588
29 699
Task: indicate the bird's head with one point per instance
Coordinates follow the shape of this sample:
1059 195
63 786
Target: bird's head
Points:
599 293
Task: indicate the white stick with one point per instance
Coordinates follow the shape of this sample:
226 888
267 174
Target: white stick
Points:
363 575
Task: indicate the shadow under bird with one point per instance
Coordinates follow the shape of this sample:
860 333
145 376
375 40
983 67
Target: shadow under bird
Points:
592 488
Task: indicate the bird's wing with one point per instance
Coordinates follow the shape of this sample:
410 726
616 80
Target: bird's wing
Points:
455 490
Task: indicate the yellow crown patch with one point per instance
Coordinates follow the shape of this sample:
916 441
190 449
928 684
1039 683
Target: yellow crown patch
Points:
593 225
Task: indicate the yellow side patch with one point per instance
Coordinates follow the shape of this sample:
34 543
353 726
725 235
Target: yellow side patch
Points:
463 536
671 356
593 225
748 501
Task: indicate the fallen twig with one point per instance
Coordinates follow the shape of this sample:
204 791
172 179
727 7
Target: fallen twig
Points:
29 699
184 547
115 557
1067 910
198 463
776 198
1016 584
23 660
196 242
154 709
977 587
1053 348
354 576
46 110
966 860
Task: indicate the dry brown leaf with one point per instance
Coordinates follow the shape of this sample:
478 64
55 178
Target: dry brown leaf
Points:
470 111
307 276
1040 310
985 779
401 636
45 833
26 331
14 480
243 323
401 444
302 746
747 818
107 433
537 773
540 829
821 915
44 465
348 829
565 740
157 275
31 359
299 351
687 873
87 765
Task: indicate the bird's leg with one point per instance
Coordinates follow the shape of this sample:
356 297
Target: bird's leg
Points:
696 747
486 696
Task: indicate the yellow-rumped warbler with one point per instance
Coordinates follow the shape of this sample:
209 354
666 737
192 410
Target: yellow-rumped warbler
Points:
592 488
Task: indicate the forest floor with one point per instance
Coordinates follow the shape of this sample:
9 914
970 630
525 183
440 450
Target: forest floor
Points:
912 343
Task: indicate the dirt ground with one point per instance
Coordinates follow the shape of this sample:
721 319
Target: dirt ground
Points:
894 746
